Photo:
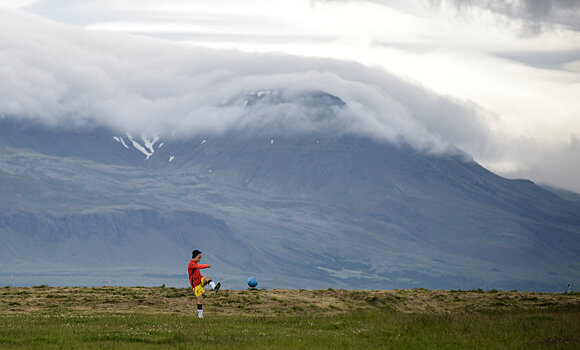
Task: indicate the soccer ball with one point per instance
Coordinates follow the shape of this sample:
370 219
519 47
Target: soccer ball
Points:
252 282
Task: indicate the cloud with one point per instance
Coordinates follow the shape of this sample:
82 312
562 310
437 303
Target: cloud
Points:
551 164
536 15
14 4
545 60
65 76
522 8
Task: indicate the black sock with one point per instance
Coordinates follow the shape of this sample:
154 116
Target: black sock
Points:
199 306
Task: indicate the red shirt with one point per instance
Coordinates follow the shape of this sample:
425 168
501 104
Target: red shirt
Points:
194 274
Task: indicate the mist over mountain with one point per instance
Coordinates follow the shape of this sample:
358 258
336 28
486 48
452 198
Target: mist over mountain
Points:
153 87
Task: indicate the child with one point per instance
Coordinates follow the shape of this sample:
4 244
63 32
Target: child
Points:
197 281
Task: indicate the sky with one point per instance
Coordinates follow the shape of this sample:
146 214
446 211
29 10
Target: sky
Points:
498 79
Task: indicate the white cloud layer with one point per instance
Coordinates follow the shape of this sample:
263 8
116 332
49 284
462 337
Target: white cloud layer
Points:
63 76
510 99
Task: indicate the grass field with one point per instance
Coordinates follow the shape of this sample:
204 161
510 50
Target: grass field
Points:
138 317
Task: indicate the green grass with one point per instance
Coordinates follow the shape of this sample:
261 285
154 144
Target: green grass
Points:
65 318
369 329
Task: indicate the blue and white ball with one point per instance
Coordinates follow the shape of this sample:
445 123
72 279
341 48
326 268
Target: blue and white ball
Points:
252 282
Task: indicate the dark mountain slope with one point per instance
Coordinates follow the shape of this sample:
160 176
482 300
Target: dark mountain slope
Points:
442 201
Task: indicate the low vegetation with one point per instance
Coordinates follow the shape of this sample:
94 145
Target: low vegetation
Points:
152 317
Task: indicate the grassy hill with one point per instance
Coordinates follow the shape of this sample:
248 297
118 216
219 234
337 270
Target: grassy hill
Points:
264 302
140 317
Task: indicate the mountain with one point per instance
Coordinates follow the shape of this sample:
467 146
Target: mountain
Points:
565 194
315 209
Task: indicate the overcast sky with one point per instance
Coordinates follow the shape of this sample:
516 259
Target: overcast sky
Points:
499 79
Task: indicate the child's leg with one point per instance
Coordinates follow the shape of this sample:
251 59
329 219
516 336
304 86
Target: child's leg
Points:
200 306
207 280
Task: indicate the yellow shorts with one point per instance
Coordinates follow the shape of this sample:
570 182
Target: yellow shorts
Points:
198 290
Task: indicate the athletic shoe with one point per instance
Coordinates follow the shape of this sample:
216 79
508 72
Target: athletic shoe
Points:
217 287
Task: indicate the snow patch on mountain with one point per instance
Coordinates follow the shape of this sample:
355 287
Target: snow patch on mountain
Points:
150 143
148 146
252 96
121 140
